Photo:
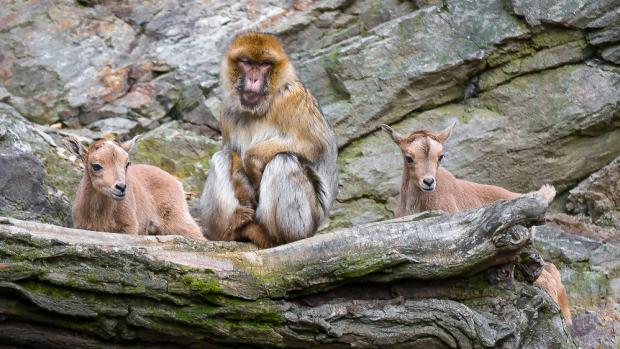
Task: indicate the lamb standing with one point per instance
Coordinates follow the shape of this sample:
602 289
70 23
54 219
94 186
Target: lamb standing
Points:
114 196
427 186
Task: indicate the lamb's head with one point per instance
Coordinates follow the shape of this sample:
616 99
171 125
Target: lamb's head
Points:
422 154
105 164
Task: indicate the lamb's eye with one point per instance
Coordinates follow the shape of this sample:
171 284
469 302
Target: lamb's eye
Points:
440 157
97 167
409 159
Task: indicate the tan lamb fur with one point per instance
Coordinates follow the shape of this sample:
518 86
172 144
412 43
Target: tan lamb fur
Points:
427 186
551 281
114 196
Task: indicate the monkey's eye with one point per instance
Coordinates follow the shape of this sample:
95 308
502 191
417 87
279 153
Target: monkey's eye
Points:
440 157
97 167
244 60
266 64
409 159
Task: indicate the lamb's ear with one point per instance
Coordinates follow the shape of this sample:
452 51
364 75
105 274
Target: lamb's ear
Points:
74 146
130 145
396 137
445 134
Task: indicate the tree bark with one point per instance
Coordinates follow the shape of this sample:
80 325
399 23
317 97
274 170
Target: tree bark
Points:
412 282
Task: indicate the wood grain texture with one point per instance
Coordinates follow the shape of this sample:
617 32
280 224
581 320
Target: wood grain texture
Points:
411 282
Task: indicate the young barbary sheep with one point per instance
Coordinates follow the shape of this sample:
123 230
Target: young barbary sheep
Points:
114 196
427 186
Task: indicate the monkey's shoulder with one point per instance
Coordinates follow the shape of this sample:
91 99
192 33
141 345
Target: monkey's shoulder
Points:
296 90
295 100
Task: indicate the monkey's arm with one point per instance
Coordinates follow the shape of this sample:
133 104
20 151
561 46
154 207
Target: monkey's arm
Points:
298 116
244 191
258 155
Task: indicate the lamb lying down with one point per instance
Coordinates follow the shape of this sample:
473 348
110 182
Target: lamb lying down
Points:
114 196
427 186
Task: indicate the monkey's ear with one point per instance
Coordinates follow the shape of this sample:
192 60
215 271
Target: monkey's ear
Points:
445 134
130 145
74 146
396 137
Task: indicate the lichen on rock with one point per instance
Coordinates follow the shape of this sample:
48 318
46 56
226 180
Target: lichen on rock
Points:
183 153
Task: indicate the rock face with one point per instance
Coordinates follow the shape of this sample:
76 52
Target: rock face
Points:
418 60
535 129
181 152
534 87
580 13
587 247
598 196
591 273
31 172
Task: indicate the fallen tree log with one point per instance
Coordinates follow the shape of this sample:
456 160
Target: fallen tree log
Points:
412 282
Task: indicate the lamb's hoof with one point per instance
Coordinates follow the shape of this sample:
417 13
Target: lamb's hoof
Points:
547 193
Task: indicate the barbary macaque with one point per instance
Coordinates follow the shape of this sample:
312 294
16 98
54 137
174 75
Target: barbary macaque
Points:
276 177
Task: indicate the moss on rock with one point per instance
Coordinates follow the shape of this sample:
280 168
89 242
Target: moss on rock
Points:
182 153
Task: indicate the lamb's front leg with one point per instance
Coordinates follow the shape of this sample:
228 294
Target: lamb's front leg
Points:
129 225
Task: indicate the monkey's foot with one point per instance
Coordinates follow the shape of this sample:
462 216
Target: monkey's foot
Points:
255 233
242 216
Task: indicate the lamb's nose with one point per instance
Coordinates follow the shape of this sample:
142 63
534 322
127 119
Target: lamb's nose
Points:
121 187
429 181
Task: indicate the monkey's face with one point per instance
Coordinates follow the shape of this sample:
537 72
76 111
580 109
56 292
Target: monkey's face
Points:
253 83
254 69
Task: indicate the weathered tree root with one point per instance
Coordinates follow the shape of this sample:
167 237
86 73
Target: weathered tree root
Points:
410 282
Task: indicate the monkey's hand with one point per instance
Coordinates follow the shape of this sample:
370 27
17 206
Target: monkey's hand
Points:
254 166
259 155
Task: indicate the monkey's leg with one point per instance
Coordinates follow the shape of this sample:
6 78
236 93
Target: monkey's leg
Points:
288 207
221 212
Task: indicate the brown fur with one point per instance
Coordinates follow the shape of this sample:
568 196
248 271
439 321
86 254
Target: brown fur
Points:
551 281
259 47
286 120
287 97
451 194
154 202
307 134
246 194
